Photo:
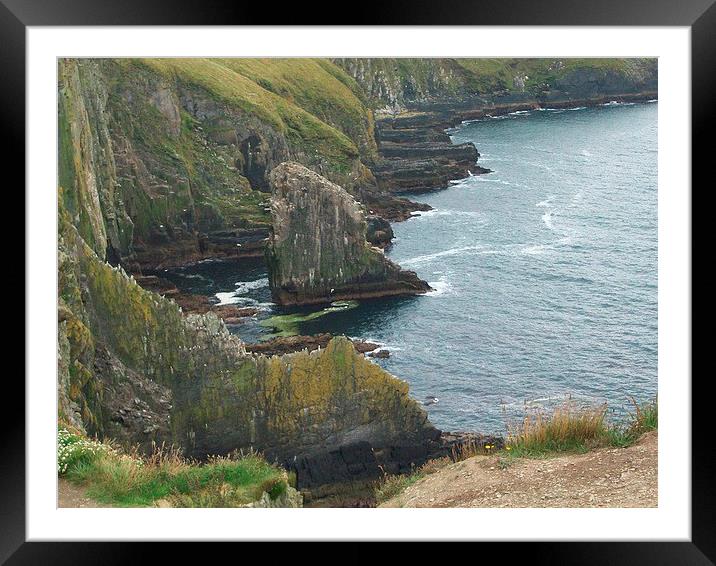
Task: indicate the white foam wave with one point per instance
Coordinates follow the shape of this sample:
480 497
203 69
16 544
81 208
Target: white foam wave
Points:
442 212
617 103
231 298
541 249
537 249
445 253
440 287
246 286
547 219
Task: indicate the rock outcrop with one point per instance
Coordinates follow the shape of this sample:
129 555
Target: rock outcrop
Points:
133 367
318 251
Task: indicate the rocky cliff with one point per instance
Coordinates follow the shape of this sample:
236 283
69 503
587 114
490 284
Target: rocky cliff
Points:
133 367
165 161
399 85
318 251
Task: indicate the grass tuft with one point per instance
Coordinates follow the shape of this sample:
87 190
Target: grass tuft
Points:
128 480
577 429
567 429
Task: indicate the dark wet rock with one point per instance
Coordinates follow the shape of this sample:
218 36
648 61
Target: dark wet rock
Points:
383 354
191 303
328 472
288 344
446 151
202 304
391 207
318 251
379 232
418 156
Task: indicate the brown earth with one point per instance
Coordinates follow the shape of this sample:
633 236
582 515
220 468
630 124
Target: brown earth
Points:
71 495
606 477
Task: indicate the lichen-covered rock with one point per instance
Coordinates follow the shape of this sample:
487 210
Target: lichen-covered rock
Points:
318 250
133 367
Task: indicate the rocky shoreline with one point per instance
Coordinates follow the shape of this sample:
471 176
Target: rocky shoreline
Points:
167 162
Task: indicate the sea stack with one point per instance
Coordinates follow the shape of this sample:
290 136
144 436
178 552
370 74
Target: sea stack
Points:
318 252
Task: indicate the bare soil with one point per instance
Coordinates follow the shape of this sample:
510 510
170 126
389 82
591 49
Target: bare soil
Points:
606 477
71 495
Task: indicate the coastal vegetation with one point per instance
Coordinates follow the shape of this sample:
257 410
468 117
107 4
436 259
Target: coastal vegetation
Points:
119 478
577 429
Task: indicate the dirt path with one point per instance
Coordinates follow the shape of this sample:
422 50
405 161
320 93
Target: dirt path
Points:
71 495
608 477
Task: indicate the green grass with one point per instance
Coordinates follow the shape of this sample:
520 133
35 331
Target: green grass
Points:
128 480
577 430
490 75
304 130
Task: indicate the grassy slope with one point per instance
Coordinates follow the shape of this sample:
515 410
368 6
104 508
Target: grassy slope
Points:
318 87
300 126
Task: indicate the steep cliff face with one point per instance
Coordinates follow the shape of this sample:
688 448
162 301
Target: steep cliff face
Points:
165 160
318 250
394 85
134 368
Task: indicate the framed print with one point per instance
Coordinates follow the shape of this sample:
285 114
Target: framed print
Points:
380 282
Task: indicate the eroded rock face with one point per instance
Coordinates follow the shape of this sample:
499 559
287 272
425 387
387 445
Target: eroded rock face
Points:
133 367
318 251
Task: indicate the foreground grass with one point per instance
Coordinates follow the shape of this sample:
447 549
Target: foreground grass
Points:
566 430
571 429
126 480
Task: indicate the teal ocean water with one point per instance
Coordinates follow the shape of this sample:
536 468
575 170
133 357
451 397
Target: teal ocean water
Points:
545 272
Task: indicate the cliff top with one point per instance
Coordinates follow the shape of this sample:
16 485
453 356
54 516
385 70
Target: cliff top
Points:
606 477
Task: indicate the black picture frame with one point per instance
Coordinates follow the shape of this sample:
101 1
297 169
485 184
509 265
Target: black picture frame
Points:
699 15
